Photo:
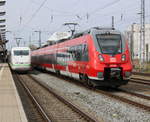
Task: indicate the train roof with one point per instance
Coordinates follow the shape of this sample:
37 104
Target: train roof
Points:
101 29
93 30
96 30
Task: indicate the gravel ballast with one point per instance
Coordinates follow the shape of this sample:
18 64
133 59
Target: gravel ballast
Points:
101 106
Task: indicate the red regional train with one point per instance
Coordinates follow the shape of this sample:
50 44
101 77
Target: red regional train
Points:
98 56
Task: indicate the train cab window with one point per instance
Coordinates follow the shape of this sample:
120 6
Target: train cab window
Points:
110 43
21 52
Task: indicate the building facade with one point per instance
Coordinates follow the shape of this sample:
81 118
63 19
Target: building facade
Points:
133 35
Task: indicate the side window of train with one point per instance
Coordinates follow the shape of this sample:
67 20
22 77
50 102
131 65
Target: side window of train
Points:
85 53
78 52
71 51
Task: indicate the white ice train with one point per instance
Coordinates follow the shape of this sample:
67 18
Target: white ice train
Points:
20 59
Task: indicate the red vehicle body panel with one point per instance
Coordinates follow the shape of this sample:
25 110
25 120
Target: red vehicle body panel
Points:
91 67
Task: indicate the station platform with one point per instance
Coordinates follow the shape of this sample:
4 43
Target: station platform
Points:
11 109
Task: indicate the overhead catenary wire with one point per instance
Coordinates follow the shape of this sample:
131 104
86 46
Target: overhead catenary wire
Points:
89 14
35 13
123 17
104 7
54 10
80 17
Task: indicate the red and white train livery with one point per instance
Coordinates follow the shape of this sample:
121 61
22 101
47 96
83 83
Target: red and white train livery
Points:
97 56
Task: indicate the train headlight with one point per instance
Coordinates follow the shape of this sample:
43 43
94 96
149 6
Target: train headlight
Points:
101 57
123 58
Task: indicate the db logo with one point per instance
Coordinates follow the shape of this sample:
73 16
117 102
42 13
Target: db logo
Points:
112 59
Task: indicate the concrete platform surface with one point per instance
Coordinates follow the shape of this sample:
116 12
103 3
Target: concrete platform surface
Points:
11 109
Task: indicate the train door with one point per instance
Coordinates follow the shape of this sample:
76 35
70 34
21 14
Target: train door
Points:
74 60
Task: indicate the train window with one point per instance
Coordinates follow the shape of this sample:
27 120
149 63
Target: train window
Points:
110 43
85 53
79 52
73 49
21 52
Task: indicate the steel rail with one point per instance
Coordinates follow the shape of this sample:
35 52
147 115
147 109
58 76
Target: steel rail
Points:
135 94
74 107
140 81
142 74
40 109
122 99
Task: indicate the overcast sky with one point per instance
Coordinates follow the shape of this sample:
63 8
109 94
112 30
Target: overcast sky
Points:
26 16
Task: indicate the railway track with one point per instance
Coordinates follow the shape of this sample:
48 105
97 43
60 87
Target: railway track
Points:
127 100
140 81
135 94
75 113
41 115
142 74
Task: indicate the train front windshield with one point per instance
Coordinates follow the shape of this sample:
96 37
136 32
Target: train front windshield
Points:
109 43
21 52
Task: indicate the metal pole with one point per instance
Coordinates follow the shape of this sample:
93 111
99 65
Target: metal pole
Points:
143 28
147 56
142 35
39 38
113 22
140 48
132 42
30 40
